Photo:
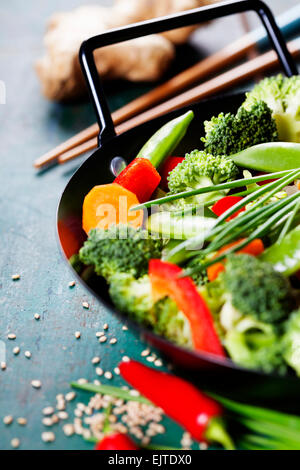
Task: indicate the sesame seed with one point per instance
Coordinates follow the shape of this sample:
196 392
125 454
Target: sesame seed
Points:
22 421
27 354
37 316
72 284
124 328
49 410
117 370
97 382
48 436
78 413
99 371
158 363
134 393
8 420
70 396
125 359
82 381
68 429
81 406
108 375
103 339
61 405
16 277
60 396
105 326
145 353
16 350
96 360
55 419
85 305
77 334
15 442
36 383
11 336
3 365
63 415
99 334
47 421
113 341
150 359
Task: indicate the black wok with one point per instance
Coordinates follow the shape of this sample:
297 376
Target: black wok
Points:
207 371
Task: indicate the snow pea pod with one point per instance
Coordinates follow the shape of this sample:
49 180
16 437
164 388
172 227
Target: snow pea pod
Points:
285 254
166 139
269 157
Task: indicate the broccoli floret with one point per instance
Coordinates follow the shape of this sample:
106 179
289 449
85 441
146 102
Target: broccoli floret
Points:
120 248
256 289
282 95
133 297
255 345
227 134
291 341
200 278
200 169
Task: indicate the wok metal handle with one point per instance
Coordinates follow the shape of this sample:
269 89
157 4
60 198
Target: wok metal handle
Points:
159 25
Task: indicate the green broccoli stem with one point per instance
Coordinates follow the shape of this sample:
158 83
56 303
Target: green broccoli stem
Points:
166 139
217 187
216 432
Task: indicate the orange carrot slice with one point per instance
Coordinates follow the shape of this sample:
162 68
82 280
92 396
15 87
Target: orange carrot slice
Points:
109 204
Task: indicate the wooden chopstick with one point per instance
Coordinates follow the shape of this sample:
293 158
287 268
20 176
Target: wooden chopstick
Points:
190 76
220 83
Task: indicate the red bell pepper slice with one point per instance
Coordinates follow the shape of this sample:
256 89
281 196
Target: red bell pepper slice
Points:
140 177
165 281
226 203
168 166
116 441
199 414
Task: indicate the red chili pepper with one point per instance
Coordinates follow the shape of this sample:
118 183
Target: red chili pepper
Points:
199 414
140 177
226 203
168 166
116 441
165 281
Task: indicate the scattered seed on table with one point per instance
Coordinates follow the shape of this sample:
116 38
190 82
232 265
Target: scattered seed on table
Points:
117 370
16 277
125 328
102 339
72 284
16 350
85 305
145 353
8 420
22 421
11 336
105 326
82 381
99 371
158 363
96 360
48 436
81 406
49 410
63 415
47 421
68 429
150 359
36 383
97 382
134 393
3 365
37 316
99 334
61 405
70 396
55 419
125 358
15 442
108 375
77 334
27 354
113 341
78 413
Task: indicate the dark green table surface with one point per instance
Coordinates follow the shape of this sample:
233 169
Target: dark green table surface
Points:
29 126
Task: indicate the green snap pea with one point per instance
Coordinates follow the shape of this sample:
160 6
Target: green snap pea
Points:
166 139
269 157
284 255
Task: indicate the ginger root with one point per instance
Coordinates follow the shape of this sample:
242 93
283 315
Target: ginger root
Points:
142 59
